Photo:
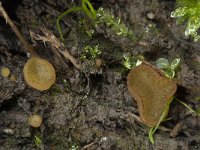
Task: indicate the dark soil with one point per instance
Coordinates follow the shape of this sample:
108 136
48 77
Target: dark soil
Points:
91 108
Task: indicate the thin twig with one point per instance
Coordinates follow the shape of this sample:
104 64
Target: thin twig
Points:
135 117
178 127
34 36
55 42
88 145
26 45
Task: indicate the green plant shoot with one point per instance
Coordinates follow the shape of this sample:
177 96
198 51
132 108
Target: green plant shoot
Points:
153 129
86 7
132 61
104 17
98 17
90 52
188 107
188 11
37 140
162 118
168 68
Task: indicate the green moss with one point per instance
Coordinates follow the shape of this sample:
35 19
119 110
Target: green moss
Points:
90 52
188 11
98 17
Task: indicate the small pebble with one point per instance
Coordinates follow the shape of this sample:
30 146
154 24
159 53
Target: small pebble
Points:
28 55
9 131
151 15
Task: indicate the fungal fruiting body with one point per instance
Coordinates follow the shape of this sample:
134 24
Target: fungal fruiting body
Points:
5 72
35 121
39 73
13 78
152 91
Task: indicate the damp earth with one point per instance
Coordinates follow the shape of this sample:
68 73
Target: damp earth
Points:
90 108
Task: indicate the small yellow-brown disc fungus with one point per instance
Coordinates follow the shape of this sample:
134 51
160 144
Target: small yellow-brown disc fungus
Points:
5 72
152 91
98 62
39 73
13 78
35 121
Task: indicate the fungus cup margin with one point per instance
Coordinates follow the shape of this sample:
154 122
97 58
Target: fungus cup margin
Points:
152 91
39 73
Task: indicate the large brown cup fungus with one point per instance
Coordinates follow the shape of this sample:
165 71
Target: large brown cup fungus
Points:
152 91
39 73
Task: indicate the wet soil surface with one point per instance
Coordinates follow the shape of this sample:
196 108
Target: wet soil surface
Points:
91 108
